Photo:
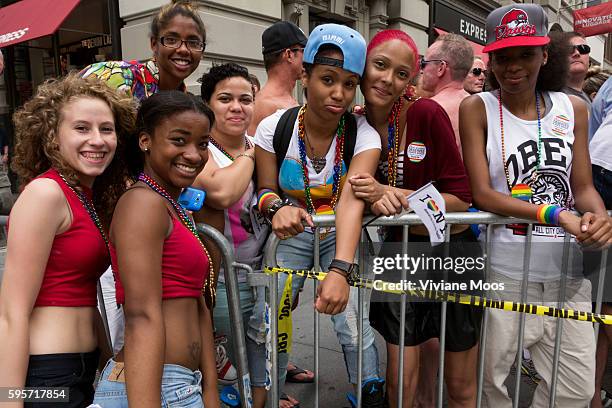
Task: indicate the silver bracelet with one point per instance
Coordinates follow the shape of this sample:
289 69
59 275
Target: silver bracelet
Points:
246 155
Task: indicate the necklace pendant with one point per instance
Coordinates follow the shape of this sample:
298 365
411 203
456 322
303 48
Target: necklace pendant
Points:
318 163
522 192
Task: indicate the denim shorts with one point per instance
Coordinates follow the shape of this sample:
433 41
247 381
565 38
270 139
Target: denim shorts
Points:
180 387
77 371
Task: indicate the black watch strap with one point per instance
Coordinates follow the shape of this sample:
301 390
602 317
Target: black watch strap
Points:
349 270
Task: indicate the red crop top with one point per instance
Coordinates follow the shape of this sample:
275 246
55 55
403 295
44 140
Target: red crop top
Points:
184 265
77 259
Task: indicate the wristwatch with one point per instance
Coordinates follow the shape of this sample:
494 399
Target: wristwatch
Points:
350 271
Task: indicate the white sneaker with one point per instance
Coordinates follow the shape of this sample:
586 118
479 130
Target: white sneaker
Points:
226 372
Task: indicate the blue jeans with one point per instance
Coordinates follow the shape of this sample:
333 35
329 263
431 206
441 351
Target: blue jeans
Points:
297 253
221 318
180 387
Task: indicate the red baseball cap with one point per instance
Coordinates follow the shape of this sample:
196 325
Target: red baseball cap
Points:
516 25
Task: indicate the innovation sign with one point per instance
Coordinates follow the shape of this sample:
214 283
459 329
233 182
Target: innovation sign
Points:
594 20
452 20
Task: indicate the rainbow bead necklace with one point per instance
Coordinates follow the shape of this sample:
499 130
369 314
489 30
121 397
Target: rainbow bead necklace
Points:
213 142
207 289
521 191
337 165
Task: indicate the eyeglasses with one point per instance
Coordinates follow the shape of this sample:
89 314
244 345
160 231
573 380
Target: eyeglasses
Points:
296 49
478 71
581 48
424 62
175 43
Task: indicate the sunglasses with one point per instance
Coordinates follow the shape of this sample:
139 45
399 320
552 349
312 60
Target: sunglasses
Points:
478 71
581 48
424 62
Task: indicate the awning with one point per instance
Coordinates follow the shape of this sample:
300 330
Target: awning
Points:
30 19
476 47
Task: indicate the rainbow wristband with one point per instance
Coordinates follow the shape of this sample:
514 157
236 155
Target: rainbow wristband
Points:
549 214
263 200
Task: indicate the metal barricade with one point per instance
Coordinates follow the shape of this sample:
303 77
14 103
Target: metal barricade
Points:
233 301
405 221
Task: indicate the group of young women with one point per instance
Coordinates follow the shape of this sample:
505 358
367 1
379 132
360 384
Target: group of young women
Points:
102 188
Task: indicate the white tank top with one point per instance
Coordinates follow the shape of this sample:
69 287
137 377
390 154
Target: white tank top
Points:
245 228
551 187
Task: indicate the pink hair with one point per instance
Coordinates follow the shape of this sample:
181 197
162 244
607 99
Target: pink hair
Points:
388 35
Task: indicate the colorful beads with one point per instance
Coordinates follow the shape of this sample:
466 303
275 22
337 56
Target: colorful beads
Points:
337 175
549 214
522 192
337 161
213 142
534 175
393 141
208 288
91 210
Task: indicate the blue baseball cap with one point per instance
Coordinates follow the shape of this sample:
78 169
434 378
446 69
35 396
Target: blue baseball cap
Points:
349 41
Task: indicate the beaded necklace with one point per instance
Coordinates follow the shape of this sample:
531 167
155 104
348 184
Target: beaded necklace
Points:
337 162
393 141
91 210
213 142
521 191
208 288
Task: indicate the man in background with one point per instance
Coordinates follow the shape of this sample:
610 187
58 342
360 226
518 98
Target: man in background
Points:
476 77
446 64
282 46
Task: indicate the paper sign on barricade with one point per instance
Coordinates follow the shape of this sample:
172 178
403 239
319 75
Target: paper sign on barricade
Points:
428 204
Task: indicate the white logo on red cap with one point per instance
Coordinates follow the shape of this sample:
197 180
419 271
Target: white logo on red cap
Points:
514 23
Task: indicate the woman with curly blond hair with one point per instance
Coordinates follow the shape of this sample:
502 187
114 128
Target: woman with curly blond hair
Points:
69 151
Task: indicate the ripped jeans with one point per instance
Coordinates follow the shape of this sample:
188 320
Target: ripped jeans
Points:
297 253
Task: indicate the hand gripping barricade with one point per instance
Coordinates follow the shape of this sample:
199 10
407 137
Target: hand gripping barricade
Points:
270 281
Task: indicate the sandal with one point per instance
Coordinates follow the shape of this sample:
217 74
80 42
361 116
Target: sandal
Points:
285 397
292 375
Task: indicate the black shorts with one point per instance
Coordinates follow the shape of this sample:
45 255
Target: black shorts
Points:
463 322
77 371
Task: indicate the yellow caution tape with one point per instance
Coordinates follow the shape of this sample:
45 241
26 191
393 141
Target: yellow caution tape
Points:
285 323
471 300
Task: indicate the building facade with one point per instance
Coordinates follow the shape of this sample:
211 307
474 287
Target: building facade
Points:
234 27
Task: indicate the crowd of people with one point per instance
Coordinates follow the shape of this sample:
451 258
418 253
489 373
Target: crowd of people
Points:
105 155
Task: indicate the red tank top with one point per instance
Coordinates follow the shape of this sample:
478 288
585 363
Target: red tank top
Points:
77 259
184 265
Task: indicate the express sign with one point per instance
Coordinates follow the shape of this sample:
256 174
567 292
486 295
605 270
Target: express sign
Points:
452 20
14 35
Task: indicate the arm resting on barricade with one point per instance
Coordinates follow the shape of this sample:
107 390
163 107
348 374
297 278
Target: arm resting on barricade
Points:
333 292
473 126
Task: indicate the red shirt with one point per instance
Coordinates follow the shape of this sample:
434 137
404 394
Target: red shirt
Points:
428 126
184 265
77 259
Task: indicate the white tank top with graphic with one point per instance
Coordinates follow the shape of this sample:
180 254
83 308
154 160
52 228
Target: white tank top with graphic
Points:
552 185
